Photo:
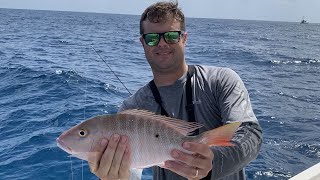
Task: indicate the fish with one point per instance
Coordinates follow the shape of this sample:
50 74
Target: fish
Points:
151 137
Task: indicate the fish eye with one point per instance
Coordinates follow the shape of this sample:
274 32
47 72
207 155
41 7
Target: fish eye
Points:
83 133
157 135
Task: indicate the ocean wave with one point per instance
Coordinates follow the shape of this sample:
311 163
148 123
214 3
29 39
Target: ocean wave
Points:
296 60
112 89
272 173
25 140
260 38
18 56
60 42
37 49
308 99
311 150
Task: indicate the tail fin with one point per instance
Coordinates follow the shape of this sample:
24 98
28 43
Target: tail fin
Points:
220 136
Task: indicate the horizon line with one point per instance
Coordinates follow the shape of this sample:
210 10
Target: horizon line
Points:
239 19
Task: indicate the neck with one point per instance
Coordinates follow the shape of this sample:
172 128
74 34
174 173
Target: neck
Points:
169 77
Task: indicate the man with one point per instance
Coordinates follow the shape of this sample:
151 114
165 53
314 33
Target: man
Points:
218 96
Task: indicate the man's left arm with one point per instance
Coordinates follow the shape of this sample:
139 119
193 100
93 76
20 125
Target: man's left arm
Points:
232 159
223 161
236 106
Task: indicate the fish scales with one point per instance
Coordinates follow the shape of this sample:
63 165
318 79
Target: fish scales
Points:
148 136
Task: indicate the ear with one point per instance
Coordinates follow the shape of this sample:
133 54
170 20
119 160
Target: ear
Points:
142 40
184 38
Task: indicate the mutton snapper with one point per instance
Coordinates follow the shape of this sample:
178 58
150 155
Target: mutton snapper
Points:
151 136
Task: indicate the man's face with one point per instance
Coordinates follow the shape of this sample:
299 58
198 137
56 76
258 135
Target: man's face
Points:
164 57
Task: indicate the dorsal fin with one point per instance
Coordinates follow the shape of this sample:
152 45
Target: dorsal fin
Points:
181 126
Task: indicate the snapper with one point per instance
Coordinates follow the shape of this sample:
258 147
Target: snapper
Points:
151 136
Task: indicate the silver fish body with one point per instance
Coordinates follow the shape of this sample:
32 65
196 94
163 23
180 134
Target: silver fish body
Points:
151 137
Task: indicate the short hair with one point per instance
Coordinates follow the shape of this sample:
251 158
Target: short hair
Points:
160 12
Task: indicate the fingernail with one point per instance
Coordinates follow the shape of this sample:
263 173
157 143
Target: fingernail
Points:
92 169
104 142
115 137
123 139
175 154
186 145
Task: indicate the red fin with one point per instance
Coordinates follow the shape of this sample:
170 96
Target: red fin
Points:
220 136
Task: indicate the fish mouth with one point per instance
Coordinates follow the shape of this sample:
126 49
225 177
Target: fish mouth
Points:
63 146
80 155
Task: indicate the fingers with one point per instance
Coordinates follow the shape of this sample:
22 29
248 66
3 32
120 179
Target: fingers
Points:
201 157
94 161
114 161
125 164
107 157
189 159
194 165
198 148
117 158
184 170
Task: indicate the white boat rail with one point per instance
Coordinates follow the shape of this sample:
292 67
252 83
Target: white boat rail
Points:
312 173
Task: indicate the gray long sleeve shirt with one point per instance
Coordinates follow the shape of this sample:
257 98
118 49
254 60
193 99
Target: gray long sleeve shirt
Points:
220 97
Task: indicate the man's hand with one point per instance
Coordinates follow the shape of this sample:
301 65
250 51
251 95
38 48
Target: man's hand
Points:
192 166
114 161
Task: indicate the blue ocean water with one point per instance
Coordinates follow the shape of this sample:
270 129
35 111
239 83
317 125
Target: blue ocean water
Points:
51 79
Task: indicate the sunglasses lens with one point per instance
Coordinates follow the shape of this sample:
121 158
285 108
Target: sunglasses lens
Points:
152 39
172 37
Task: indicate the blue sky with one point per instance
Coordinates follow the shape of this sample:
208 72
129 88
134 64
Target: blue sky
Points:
274 10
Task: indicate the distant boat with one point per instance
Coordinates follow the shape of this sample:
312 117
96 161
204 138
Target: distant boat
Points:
303 21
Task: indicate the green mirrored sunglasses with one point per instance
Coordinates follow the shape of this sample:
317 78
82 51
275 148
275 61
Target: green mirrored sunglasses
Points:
153 39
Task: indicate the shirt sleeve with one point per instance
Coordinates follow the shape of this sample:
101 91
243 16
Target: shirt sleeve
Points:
235 105
233 97
232 159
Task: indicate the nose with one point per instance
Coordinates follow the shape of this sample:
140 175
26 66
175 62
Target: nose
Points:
162 42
